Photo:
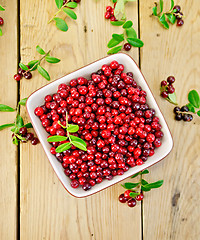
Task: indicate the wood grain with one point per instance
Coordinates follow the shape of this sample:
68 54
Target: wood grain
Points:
8 163
47 210
175 207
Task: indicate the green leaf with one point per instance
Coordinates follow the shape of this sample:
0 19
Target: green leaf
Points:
20 137
118 37
50 59
131 33
144 182
72 4
61 24
171 18
56 138
5 108
172 4
128 24
63 147
70 13
43 72
33 63
163 21
172 98
23 66
191 107
161 5
145 172
6 126
155 9
119 11
40 50
22 102
19 121
15 129
1 8
77 139
114 1
145 189
133 194
115 50
198 113
1 32
135 175
15 141
129 185
135 42
72 128
194 99
28 125
59 3
117 23
113 43
155 184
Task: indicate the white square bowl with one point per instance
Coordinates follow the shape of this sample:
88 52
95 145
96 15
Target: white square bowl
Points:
37 99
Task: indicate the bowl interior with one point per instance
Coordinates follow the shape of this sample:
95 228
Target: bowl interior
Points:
37 99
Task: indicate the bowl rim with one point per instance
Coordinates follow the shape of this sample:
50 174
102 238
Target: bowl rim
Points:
88 195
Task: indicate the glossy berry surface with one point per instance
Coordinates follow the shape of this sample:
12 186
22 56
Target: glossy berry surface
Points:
180 22
131 202
17 77
1 21
119 127
127 46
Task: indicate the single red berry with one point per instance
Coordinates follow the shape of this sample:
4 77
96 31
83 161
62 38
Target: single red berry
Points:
1 21
28 75
127 46
126 194
170 89
108 8
163 83
178 8
164 94
139 197
131 202
107 15
17 77
122 199
180 22
34 141
171 79
39 111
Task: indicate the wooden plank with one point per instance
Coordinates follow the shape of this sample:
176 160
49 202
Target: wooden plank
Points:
175 207
8 96
47 210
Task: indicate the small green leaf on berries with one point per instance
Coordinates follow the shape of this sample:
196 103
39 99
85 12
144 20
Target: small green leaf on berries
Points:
133 194
6 126
56 139
72 128
129 185
5 108
63 147
15 141
61 24
115 50
50 59
194 99
43 72
70 13
172 98
171 18
72 4
23 67
40 50
128 24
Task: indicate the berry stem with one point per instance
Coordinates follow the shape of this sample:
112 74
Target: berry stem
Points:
65 5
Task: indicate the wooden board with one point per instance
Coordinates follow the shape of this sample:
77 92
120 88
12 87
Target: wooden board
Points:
8 96
47 210
175 207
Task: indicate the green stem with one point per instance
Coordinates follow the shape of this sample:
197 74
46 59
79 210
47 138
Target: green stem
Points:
65 5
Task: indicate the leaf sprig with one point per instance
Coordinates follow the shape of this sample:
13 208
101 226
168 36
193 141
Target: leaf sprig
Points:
142 185
66 8
1 9
165 17
18 122
69 140
36 64
194 102
129 34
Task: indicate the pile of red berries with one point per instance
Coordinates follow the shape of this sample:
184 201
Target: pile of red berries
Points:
167 87
27 136
131 202
22 73
118 126
109 14
178 14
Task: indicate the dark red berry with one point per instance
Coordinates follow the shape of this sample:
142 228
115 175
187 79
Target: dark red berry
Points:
1 21
28 75
164 94
180 22
23 131
122 199
131 202
34 141
127 46
17 77
178 8
29 136
163 83
171 79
